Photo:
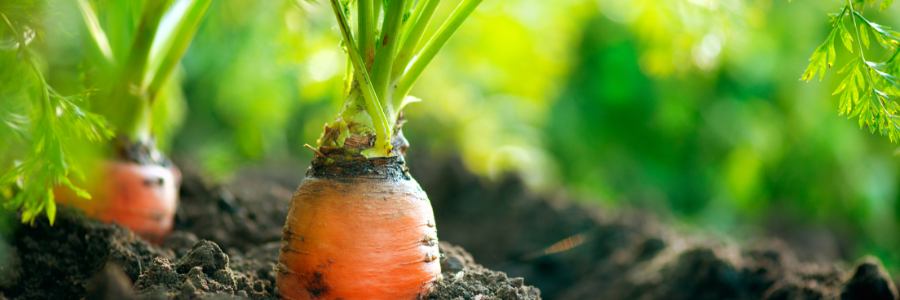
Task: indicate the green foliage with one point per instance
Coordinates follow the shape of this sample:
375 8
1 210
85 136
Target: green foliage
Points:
869 90
60 120
50 160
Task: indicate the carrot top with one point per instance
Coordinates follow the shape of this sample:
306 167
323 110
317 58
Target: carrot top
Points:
870 87
383 65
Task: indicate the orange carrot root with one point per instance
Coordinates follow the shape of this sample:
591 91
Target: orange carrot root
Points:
142 197
358 238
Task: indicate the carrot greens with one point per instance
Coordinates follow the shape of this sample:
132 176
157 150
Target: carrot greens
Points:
870 88
386 61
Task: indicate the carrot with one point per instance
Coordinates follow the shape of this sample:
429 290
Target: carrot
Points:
141 197
358 236
359 227
137 187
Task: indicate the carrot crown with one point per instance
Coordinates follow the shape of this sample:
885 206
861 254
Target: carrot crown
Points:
384 63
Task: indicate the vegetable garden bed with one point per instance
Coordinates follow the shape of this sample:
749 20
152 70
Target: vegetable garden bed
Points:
227 240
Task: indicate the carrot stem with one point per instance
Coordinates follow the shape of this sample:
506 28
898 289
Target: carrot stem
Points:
365 30
100 46
127 107
384 58
373 106
415 32
430 50
381 87
174 44
376 10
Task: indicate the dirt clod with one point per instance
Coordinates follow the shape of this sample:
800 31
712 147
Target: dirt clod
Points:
870 281
203 273
206 256
463 278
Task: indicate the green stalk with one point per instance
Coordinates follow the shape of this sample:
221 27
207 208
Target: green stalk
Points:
119 27
175 43
100 46
424 57
366 31
139 54
127 107
413 17
384 59
348 80
45 94
141 127
376 10
414 37
373 106
405 19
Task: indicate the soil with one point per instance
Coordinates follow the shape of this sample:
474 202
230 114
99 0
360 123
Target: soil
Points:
344 167
530 246
575 251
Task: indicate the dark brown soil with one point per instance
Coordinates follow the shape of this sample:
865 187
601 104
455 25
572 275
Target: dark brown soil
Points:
227 239
237 218
464 279
620 254
57 262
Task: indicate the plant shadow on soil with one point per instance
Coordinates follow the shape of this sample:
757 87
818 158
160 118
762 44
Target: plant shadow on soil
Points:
227 240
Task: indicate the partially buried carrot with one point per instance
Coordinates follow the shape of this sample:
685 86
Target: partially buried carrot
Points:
140 194
366 233
359 227
133 184
136 186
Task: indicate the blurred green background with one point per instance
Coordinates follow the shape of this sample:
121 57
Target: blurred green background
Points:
690 108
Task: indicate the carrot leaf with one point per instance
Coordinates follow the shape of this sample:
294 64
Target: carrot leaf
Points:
61 121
